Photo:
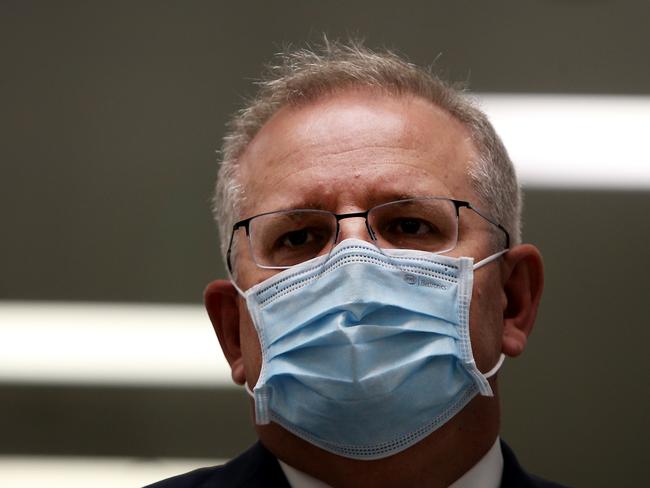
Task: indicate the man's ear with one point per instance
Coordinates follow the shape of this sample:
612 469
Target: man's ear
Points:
220 299
523 282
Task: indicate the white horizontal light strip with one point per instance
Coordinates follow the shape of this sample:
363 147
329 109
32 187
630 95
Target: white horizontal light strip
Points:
124 344
575 141
78 472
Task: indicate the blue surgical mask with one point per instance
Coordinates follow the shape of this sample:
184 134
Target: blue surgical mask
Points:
364 351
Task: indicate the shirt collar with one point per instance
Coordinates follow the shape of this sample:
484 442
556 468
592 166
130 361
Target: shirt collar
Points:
484 474
298 479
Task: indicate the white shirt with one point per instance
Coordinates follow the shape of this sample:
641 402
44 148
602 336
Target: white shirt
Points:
484 474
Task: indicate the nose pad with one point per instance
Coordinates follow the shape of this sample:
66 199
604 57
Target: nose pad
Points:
355 228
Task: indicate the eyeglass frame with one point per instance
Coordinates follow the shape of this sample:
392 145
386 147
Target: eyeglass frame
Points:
458 204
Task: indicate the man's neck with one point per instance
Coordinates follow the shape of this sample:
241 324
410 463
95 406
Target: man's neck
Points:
487 473
436 461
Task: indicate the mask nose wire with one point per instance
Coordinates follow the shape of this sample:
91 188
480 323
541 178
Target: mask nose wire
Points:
372 241
368 236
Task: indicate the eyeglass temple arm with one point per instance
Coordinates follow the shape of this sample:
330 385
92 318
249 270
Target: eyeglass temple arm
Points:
460 203
242 223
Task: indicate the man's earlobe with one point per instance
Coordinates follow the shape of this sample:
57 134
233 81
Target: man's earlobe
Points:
220 298
523 282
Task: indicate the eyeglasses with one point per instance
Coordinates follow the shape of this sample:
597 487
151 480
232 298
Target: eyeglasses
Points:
284 238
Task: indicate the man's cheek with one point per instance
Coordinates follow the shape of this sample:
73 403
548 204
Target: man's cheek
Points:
251 350
485 327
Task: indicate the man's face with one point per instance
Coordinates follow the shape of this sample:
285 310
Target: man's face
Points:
353 150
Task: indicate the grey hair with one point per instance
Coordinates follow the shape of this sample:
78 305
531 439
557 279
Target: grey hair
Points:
303 75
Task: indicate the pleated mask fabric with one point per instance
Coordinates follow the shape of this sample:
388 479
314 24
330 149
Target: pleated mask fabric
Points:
365 351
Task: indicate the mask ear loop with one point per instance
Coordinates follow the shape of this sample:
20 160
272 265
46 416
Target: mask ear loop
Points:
234 284
489 259
261 400
496 367
478 265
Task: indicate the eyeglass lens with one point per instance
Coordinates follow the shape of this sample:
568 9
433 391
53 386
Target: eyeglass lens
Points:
287 238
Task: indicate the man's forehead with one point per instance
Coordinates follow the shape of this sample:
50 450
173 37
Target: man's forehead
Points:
353 137
410 116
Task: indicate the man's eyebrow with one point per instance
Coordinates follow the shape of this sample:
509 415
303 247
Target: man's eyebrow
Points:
376 198
392 196
311 204
314 204
398 195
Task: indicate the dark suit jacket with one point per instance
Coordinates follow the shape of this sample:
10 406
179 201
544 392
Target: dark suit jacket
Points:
258 468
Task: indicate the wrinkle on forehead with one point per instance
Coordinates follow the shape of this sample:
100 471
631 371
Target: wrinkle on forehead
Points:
344 161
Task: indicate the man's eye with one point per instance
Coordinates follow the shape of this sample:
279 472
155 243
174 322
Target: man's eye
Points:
411 227
296 238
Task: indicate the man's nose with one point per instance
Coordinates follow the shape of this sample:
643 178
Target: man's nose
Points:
353 228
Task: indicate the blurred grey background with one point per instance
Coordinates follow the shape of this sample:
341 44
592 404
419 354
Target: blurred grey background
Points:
110 116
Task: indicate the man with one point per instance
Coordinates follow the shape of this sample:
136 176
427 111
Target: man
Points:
369 218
